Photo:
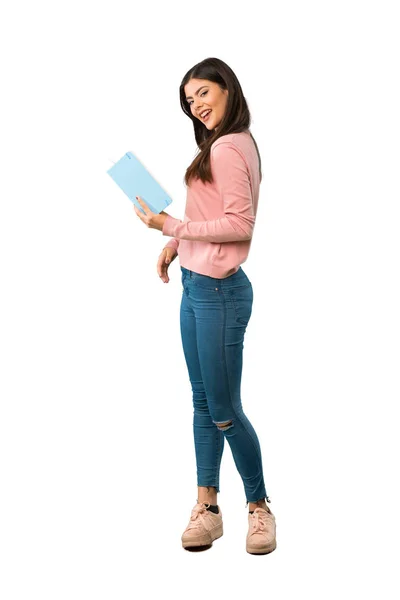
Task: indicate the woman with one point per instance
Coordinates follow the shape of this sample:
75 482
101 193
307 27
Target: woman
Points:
212 241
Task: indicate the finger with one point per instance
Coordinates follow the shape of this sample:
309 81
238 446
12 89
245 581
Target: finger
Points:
161 259
162 273
142 203
159 266
163 267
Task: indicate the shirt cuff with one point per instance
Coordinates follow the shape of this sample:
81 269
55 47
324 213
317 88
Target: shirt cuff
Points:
169 224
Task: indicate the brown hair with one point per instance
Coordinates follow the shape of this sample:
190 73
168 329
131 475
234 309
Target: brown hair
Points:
235 120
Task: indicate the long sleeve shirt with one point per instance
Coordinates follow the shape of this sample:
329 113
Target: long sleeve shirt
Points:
215 235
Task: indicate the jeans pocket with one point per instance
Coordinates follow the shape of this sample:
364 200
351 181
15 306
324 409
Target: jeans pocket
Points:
242 302
204 282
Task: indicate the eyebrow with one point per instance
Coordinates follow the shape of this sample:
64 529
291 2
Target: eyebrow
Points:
200 88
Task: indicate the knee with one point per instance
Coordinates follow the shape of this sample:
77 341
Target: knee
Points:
224 425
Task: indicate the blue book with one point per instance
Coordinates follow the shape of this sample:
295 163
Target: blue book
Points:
135 180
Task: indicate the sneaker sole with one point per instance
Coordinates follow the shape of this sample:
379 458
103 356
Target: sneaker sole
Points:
204 540
264 550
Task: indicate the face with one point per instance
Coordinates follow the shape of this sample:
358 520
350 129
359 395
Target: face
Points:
201 95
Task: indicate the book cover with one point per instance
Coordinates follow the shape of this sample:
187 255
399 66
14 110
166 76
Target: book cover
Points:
134 179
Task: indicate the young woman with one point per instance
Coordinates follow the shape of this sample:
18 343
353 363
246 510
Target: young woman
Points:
217 297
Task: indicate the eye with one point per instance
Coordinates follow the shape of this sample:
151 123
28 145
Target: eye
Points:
205 92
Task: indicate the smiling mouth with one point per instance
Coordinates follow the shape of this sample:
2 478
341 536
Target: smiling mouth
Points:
207 115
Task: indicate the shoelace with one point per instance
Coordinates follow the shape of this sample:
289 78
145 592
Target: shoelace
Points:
259 519
197 516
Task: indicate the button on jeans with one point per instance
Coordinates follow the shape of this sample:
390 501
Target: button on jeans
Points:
214 315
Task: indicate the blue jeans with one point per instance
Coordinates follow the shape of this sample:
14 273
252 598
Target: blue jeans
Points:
213 318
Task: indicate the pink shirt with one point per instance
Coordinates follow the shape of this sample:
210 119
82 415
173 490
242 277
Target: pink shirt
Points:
215 235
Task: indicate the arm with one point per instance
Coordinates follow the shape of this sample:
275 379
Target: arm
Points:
233 183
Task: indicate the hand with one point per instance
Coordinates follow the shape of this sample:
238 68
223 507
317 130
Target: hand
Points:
152 220
164 260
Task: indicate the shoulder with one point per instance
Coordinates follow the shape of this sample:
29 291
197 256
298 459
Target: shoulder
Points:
241 142
231 147
237 151
238 140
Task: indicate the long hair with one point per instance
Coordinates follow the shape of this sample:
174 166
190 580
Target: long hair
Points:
235 120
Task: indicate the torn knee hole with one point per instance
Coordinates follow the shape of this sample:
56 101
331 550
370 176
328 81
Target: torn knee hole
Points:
225 425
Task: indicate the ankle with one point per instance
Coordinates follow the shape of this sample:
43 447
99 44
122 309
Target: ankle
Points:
207 494
212 501
258 504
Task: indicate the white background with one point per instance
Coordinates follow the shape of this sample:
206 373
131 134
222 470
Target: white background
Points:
97 457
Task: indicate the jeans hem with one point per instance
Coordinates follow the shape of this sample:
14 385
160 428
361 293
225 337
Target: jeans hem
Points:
216 486
265 497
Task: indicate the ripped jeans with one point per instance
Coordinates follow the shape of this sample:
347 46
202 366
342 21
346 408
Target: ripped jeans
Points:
214 315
